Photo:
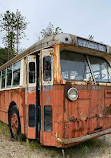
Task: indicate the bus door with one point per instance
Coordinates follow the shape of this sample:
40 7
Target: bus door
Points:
46 96
30 97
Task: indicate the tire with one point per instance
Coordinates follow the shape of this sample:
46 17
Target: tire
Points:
14 123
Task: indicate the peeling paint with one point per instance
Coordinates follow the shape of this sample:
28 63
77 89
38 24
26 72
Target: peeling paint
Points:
107 111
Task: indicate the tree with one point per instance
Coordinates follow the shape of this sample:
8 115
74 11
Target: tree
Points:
50 30
7 25
13 24
3 56
20 26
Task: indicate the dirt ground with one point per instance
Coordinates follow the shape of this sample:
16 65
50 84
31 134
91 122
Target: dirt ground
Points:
98 148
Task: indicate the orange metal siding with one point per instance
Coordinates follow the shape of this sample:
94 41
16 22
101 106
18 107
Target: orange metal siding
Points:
6 97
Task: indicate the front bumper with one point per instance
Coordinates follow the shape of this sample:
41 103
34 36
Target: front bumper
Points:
84 138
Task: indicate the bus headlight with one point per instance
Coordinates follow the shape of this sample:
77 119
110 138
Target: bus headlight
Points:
72 94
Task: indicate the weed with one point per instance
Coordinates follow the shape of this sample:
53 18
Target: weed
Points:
109 150
3 146
35 145
85 150
28 148
4 129
103 150
63 153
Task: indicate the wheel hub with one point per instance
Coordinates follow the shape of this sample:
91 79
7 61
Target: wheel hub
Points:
14 123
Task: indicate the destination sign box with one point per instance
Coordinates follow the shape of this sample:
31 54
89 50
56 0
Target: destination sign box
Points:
90 44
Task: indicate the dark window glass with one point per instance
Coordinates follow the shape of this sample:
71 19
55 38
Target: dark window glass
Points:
74 66
47 68
31 115
101 69
32 72
16 74
9 76
3 78
48 118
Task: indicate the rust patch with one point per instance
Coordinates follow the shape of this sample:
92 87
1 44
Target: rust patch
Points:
80 129
107 110
109 92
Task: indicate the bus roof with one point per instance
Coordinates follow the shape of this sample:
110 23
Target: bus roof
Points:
62 38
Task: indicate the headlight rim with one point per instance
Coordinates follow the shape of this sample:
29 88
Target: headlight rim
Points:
69 95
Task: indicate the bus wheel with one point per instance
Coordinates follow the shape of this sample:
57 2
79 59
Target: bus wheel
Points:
14 123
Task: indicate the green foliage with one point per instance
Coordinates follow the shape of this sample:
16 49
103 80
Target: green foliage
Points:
63 153
7 25
13 24
85 150
20 26
3 55
4 130
50 30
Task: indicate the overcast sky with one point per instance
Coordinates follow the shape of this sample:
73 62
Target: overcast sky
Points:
78 17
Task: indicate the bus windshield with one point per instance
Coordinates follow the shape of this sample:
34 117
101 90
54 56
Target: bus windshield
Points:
74 66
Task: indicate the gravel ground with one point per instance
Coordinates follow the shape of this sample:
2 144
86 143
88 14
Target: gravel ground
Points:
98 148
17 149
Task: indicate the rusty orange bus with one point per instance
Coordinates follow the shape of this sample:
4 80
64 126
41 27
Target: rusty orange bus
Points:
58 91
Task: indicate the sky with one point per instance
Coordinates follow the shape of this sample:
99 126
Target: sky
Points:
78 17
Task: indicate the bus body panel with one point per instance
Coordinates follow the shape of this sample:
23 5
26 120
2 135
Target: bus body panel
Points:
15 96
88 114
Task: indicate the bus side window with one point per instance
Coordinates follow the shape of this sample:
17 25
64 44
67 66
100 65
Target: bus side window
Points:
47 118
32 72
9 76
47 68
16 74
3 78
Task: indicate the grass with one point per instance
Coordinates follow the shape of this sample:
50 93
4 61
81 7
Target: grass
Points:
87 148
4 129
82 150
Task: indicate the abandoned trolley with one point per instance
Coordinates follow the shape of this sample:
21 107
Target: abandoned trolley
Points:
58 91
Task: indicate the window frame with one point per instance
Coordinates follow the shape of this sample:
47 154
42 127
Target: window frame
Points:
44 74
108 64
43 53
2 79
31 71
90 68
51 121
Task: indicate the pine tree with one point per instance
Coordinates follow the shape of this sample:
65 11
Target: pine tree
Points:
50 30
20 26
14 25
